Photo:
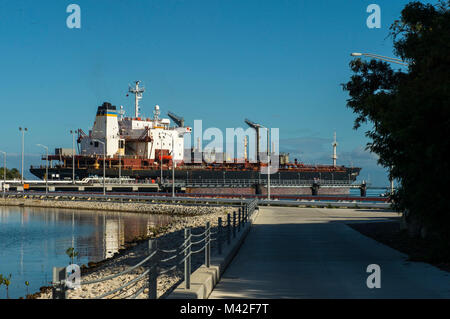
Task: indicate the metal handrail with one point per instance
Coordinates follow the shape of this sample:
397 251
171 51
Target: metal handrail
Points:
136 294
169 251
197 251
124 285
162 272
199 235
168 259
198 242
184 259
121 273
184 249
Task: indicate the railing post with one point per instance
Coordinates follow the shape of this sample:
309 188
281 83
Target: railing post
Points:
153 276
59 289
207 245
187 261
234 224
219 235
244 212
239 220
228 228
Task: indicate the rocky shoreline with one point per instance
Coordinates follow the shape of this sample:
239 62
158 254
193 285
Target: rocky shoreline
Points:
168 237
134 207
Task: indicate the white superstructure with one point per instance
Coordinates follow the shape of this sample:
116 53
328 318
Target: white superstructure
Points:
136 137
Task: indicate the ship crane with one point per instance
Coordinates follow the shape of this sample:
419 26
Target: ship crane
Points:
177 119
256 127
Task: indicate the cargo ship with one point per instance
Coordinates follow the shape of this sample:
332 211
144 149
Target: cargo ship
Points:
151 150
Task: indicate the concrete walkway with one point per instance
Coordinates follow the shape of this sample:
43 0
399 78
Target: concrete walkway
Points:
312 253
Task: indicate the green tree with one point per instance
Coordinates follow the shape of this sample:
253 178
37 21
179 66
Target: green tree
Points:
10 173
6 281
71 253
410 113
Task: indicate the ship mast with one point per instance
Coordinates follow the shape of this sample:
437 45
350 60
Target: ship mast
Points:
137 91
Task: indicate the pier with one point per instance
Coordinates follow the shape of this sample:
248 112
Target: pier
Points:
313 253
201 187
283 252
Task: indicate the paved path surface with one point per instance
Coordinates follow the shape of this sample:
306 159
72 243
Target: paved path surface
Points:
312 253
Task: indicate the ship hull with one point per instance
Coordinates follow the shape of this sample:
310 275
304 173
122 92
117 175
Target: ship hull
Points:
348 175
227 182
274 191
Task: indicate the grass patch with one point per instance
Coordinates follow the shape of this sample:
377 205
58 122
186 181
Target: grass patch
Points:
432 251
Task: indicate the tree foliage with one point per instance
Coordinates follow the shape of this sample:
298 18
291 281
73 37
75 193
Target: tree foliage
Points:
71 253
10 173
410 111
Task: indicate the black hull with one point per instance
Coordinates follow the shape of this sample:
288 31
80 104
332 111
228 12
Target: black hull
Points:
349 174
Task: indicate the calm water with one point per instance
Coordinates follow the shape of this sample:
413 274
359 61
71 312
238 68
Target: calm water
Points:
33 240
370 192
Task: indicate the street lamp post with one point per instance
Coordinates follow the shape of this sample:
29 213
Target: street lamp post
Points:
391 180
120 169
268 162
23 146
73 155
4 173
173 167
381 57
104 164
46 168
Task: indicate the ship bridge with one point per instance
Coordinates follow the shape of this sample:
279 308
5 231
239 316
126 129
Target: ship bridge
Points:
150 139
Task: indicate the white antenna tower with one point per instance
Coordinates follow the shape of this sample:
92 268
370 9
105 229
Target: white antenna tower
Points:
121 112
156 113
137 91
335 144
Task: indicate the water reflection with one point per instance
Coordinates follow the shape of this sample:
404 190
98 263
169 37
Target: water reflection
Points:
33 240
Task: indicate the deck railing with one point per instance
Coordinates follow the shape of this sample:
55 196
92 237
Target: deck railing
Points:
252 182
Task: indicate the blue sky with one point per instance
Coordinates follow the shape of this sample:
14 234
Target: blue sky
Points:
276 62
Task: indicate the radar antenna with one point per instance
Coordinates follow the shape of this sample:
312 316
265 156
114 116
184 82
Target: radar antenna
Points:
121 112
